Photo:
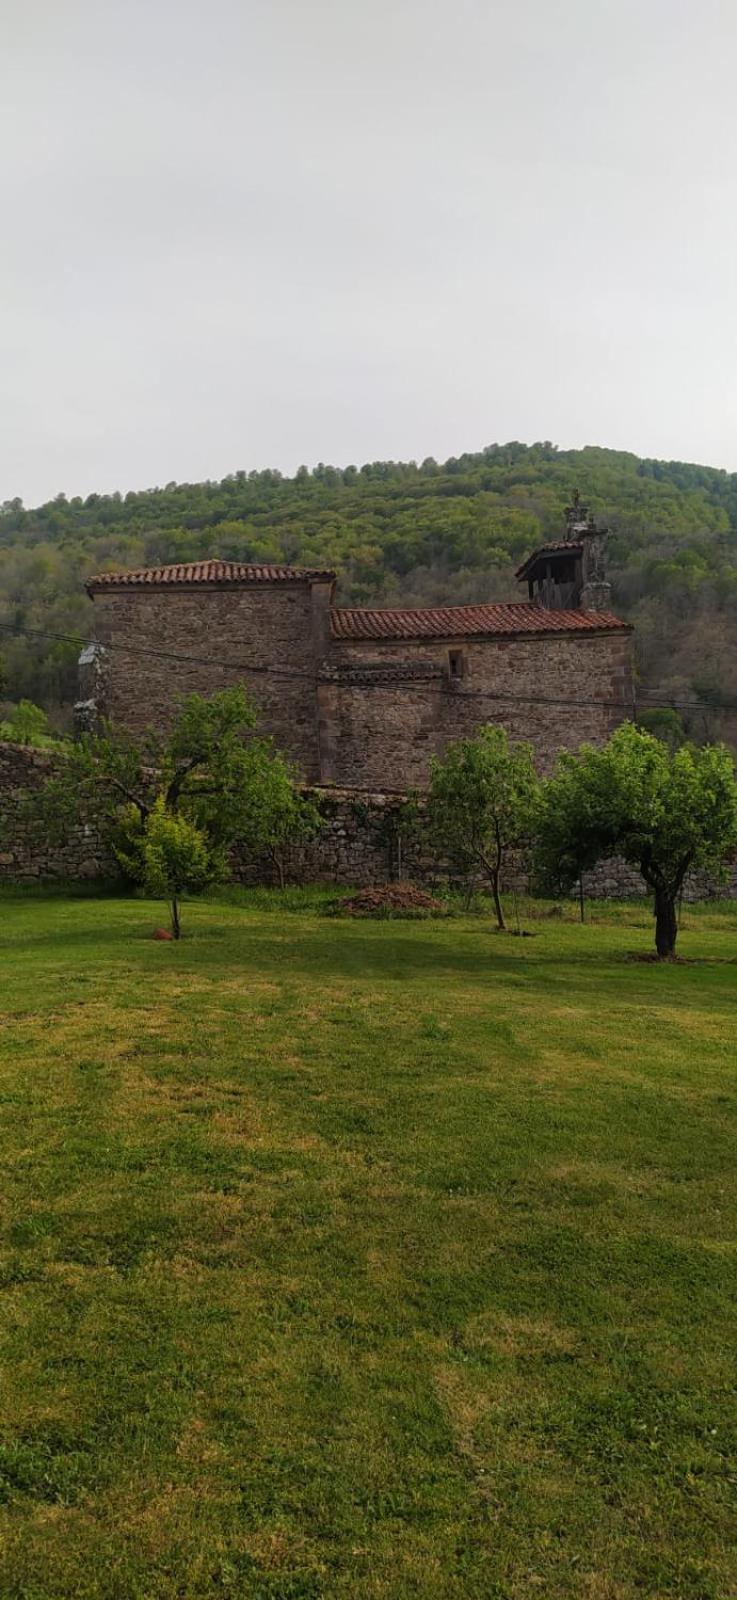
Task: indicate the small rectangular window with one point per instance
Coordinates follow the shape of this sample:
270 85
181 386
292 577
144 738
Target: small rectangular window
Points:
456 663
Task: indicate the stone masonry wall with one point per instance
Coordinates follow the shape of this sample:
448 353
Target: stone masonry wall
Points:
358 844
382 733
362 713
164 643
27 854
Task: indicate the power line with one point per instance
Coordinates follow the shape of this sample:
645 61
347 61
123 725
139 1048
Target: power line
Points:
641 699
149 650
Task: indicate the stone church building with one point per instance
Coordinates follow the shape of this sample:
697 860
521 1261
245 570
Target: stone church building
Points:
361 698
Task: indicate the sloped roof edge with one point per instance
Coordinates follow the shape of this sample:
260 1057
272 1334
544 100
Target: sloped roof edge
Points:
571 547
185 574
450 622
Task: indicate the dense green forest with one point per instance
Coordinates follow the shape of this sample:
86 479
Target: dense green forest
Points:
401 532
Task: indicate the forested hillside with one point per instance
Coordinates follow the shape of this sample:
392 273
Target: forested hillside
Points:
400 533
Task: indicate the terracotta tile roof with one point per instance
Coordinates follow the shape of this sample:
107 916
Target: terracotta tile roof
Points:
200 572
574 547
450 622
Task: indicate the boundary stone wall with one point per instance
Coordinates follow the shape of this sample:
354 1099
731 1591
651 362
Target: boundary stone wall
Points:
26 854
360 843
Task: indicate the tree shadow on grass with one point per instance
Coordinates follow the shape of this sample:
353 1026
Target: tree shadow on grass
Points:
385 950
303 948
650 958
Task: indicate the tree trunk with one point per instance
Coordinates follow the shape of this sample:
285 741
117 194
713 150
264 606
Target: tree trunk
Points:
501 924
277 862
495 871
666 924
176 926
581 900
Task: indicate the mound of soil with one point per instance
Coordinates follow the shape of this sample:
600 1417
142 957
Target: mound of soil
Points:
389 899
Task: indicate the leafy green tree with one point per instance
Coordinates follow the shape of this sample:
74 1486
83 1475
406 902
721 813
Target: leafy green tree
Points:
210 770
176 858
666 724
26 724
434 533
198 767
664 811
483 801
271 817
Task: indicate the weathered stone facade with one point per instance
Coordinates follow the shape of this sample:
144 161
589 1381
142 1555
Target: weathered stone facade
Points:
554 690
364 698
160 642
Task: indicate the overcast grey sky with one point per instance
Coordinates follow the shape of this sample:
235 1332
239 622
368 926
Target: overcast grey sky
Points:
241 233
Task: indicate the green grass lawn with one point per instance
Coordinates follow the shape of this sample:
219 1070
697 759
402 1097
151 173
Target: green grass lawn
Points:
365 1259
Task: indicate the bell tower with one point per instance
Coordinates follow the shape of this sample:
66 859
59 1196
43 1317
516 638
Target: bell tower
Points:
581 529
569 574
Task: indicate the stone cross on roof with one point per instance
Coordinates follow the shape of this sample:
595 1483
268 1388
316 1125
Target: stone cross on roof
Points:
577 516
579 519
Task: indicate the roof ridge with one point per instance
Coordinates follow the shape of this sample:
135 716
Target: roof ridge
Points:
461 605
211 569
494 617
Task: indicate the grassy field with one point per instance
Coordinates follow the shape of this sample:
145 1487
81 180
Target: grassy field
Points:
376 1260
